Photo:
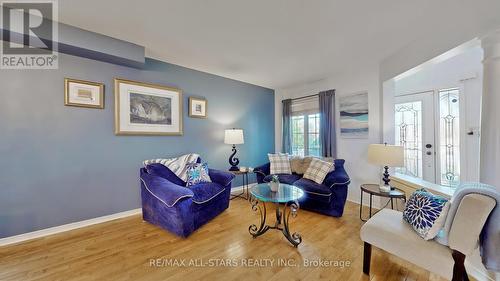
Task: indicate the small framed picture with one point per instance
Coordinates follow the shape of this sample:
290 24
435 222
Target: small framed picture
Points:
83 93
197 107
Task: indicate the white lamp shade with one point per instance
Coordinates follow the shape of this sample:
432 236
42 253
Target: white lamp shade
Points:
386 155
233 136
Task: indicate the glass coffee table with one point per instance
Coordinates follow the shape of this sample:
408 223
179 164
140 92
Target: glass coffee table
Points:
287 195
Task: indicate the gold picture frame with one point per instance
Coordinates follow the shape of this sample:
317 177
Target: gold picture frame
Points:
83 93
165 119
198 113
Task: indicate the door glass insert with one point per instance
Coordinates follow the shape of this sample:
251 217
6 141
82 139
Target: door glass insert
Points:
408 122
449 137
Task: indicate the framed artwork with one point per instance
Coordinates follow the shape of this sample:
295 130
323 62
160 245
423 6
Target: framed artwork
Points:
354 115
83 93
197 107
147 109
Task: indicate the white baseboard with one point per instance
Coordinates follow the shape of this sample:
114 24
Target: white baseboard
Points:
75 225
66 227
239 189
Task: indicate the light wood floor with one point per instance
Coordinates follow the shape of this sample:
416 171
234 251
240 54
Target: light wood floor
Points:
123 249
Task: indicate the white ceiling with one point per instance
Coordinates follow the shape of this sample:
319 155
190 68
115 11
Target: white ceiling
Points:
274 43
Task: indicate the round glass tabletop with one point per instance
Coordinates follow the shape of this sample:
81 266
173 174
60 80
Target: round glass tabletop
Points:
285 193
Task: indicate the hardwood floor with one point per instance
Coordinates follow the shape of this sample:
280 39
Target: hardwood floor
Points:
127 249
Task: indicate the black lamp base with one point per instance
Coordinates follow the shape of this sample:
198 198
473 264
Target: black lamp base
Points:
233 161
386 178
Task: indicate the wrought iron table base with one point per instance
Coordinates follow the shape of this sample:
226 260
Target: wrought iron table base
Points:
244 194
282 220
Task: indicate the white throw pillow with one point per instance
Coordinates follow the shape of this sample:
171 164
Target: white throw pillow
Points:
317 171
280 164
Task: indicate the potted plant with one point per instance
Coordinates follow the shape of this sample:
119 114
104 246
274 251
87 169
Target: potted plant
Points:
275 183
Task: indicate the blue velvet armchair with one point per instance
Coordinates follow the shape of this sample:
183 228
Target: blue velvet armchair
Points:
168 203
327 198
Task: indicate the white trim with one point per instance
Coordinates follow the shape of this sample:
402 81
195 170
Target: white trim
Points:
66 227
75 225
376 203
161 200
239 189
417 183
321 194
340 183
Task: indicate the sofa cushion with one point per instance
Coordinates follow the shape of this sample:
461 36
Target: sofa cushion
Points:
314 191
206 191
387 230
300 164
161 170
280 163
318 169
284 178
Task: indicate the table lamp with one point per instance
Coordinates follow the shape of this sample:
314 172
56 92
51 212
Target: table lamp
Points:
386 155
234 137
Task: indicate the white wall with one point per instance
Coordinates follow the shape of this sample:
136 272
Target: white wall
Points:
413 57
464 71
354 151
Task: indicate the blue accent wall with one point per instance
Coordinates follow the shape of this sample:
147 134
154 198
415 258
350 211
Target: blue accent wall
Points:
62 164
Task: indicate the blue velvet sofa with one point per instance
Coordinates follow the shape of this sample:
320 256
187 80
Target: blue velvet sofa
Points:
168 203
327 198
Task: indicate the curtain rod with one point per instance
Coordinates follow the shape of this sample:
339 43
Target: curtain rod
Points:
304 97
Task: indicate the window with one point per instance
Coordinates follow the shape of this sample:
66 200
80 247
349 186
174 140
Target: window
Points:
449 137
408 117
305 134
313 143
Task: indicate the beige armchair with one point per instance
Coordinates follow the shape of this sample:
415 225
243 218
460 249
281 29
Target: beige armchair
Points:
387 231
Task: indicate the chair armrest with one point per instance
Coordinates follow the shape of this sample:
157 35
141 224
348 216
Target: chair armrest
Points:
338 176
165 191
262 171
220 177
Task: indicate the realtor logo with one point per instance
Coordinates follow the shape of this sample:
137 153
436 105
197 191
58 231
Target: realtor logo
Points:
29 35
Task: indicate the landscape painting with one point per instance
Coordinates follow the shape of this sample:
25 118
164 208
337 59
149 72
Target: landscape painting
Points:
148 109
354 116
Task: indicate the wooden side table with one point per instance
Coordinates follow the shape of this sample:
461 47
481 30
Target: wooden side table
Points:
374 190
244 176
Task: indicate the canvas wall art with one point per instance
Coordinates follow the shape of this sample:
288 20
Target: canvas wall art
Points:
147 109
197 107
83 93
354 115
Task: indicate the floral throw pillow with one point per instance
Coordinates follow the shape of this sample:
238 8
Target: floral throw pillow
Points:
426 213
197 173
